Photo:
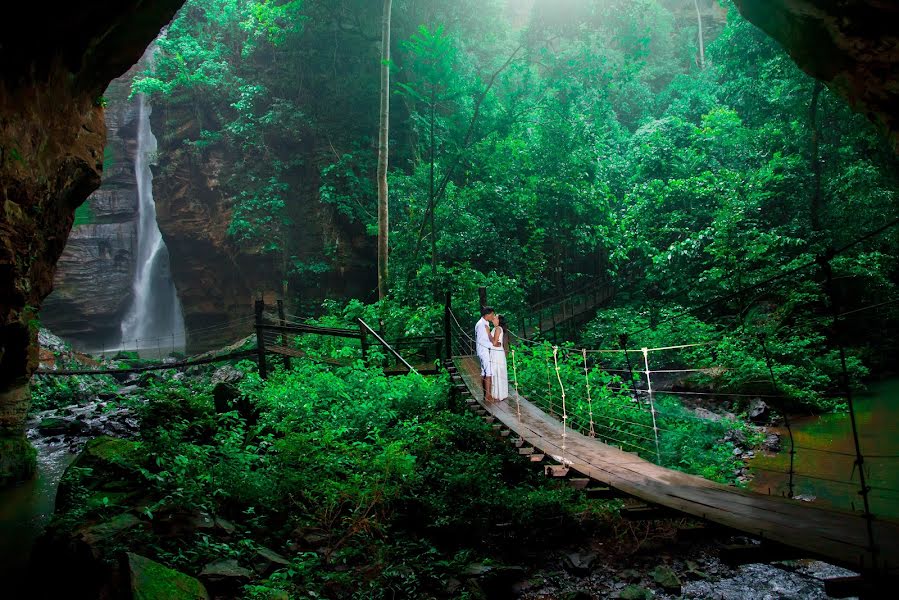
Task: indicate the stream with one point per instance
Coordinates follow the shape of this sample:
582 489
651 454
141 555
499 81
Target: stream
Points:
825 455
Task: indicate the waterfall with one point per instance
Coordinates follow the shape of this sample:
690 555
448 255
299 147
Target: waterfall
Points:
154 322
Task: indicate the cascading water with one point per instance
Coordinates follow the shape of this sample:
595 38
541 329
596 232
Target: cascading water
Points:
154 321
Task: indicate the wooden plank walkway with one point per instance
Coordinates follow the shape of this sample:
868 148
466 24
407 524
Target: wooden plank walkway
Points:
834 536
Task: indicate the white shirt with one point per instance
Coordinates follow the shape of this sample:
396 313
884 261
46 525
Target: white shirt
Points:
482 337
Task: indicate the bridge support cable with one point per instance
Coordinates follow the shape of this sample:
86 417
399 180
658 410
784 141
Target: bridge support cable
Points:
589 399
847 390
652 405
783 410
517 396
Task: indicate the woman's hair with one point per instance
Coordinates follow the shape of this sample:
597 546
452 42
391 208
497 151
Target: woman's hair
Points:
502 321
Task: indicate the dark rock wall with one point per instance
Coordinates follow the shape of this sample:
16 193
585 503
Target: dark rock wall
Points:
53 69
92 286
852 46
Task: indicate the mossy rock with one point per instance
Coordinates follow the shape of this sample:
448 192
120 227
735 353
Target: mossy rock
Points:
110 450
105 463
151 580
667 578
18 459
635 592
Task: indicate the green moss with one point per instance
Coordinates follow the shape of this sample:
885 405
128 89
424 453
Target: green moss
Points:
84 215
151 580
18 459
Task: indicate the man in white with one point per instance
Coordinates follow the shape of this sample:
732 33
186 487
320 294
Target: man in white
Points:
484 343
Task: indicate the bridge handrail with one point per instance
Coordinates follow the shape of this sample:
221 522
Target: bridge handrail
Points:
559 298
157 367
384 343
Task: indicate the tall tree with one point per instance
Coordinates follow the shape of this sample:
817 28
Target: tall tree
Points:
382 151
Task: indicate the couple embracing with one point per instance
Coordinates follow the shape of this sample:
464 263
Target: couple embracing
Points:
492 347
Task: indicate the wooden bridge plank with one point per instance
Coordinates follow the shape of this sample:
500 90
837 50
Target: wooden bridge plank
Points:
837 536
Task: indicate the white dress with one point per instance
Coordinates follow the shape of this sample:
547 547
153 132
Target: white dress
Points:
499 387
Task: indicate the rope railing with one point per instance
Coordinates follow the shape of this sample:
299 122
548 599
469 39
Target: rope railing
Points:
594 420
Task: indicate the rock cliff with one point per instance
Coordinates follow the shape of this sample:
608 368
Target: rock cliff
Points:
217 279
93 283
53 71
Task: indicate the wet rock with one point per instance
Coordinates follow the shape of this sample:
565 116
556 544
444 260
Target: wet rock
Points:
225 525
666 578
577 563
758 411
736 436
150 580
634 592
129 390
771 443
225 577
630 575
576 595
704 413
267 561
492 581
61 425
224 387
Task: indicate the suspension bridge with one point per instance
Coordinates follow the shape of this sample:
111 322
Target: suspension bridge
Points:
610 426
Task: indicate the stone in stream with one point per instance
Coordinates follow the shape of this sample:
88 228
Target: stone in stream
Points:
577 563
771 443
758 411
61 425
150 580
634 592
666 578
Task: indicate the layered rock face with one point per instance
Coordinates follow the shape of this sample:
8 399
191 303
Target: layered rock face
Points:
52 73
852 46
217 279
93 283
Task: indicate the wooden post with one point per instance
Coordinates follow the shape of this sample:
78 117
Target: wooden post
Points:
283 322
260 339
448 326
482 295
363 342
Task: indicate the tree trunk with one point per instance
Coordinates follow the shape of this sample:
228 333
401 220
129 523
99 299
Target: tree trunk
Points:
382 152
431 199
815 205
701 42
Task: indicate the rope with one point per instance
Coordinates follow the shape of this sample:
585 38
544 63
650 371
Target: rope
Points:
652 406
562 389
517 394
589 399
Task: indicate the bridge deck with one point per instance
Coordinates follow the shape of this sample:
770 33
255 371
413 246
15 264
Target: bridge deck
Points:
835 536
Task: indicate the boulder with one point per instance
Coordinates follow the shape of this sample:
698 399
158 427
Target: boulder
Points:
224 387
577 563
666 578
771 443
150 580
61 425
634 592
225 577
758 411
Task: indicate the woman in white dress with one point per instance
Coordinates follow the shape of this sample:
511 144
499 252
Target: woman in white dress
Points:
500 382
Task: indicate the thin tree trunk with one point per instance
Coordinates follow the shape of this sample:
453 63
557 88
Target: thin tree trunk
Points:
815 206
431 200
701 43
382 152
